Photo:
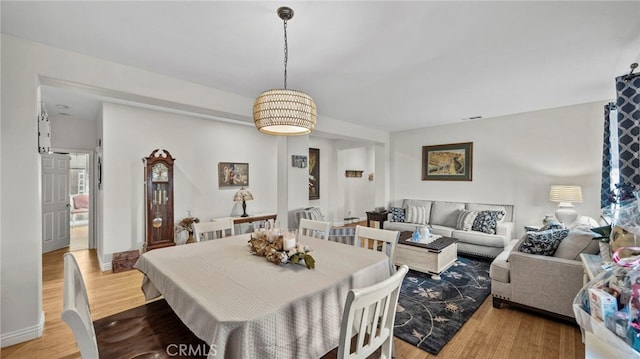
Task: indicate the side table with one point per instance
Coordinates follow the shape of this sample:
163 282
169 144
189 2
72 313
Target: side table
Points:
379 217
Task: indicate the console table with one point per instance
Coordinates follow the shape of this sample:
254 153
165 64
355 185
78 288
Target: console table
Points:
255 218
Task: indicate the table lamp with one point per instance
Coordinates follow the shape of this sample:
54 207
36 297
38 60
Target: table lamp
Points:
243 195
566 195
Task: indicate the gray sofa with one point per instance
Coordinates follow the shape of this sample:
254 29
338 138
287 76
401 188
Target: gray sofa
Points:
546 283
443 219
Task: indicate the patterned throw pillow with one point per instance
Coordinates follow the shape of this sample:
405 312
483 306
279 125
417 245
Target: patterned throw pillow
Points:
544 242
416 214
466 219
397 214
486 221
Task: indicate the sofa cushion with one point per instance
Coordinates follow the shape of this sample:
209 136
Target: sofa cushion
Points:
487 220
442 230
465 219
544 242
445 213
489 207
402 226
416 214
479 238
575 243
397 214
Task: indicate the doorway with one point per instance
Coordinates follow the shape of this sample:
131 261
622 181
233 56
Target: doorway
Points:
79 191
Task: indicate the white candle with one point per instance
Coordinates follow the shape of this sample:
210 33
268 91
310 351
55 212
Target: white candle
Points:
288 243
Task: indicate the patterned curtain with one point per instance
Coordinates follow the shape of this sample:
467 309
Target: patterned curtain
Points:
628 104
628 107
606 157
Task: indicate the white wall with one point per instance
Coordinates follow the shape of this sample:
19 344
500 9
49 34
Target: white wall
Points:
198 145
76 134
25 66
515 160
359 191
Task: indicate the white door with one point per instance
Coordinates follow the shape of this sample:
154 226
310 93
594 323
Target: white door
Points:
55 201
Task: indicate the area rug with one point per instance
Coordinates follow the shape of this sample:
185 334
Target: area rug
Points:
430 312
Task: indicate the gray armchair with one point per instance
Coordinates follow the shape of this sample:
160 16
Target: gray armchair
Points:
546 283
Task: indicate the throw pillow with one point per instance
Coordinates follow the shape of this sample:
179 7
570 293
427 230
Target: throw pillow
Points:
416 214
577 242
486 221
397 214
466 219
543 243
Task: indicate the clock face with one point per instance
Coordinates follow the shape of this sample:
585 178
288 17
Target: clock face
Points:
160 173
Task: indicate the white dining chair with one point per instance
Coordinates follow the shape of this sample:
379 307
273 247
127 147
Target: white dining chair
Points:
368 318
313 229
216 228
144 331
75 309
377 239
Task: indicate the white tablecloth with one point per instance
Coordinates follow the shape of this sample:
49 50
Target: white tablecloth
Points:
247 307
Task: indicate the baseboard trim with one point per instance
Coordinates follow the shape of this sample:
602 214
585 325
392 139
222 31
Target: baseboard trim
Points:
104 266
23 335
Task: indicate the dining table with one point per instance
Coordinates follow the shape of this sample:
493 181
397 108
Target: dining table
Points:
244 306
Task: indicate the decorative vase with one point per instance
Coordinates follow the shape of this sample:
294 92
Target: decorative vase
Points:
548 219
181 237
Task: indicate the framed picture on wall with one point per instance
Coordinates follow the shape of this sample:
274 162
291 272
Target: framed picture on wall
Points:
450 162
298 161
231 174
314 173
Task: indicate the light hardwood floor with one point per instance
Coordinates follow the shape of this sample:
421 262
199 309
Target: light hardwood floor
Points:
489 333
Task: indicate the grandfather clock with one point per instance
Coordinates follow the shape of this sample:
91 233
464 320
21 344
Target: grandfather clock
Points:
158 199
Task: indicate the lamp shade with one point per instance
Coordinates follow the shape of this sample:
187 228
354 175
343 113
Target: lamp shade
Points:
284 112
568 194
242 195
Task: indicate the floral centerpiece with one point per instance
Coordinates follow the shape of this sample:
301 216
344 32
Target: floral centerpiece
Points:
272 247
186 223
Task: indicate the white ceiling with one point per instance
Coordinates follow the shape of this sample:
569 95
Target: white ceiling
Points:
388 65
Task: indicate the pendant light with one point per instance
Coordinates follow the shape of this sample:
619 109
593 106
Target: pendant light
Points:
282 111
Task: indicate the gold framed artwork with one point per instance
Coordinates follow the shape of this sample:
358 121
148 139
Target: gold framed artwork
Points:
449 162
232 174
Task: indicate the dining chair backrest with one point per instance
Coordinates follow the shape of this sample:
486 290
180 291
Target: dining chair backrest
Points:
217 228
369 315
344 235
313 229
75 308
377 239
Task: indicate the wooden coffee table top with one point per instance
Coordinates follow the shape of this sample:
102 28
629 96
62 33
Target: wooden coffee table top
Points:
436 245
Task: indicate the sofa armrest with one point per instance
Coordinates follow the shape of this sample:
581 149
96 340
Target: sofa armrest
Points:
505 229
548 283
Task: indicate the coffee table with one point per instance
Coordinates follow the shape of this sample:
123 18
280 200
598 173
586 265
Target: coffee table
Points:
433 258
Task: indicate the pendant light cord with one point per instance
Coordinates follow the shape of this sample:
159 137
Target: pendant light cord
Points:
286 54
